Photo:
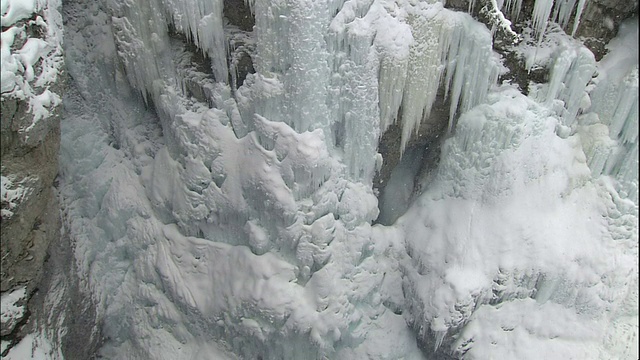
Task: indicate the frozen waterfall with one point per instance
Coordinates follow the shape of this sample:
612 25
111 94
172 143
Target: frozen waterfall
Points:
212 221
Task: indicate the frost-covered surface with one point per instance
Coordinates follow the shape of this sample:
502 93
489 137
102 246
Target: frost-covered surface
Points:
31 54
238 225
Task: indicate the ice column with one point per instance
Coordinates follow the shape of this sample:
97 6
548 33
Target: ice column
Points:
393 43
611 128
572 69
291 53
423 72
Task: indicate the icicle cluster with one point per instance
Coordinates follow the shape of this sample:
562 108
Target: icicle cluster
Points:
449 48
201 20
141 33
300 60
545 11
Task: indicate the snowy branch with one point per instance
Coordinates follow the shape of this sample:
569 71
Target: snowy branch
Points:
491 15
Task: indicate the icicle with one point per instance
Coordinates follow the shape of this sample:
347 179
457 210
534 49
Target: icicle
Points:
576 20
513 8
464 47
471 68
202 22
571 72
558 72
615 101
423 75
392 77
541 12
472 4
251 4
624 122
562 12
393 40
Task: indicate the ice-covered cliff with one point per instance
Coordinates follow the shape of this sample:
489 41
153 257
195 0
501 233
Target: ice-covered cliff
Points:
218 163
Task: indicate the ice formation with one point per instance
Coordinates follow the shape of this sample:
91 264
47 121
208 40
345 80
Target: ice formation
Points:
546 12
615 101
448 47
504 165
236 223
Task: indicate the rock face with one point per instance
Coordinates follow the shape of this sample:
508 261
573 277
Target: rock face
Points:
600 22
27 232
29 148
427 141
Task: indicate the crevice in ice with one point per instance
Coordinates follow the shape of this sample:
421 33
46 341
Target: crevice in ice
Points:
424 147
193 67
240 43
238 12
241 49
398 191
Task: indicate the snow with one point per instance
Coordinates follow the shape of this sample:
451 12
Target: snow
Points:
21 55
34 347
11 312
15 10
12 194
492 330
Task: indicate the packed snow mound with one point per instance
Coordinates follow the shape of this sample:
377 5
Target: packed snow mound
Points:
514 215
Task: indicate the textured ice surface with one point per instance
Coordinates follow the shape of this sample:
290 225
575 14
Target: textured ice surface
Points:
255 244
237 225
